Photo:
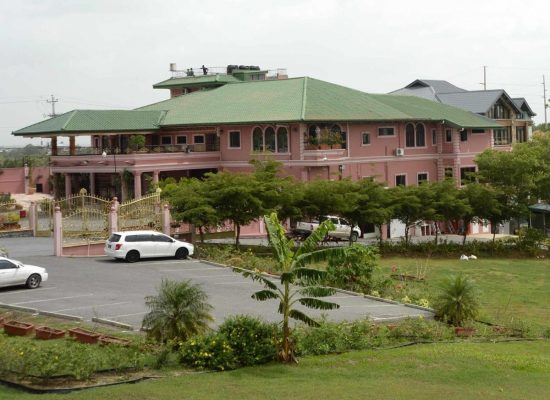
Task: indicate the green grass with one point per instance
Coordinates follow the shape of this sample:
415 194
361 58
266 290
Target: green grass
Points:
509 289
516 370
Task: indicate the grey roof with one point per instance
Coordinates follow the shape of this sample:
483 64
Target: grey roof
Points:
476 101
522 104
424 92
438 86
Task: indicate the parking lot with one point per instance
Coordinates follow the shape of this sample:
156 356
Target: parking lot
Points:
112 290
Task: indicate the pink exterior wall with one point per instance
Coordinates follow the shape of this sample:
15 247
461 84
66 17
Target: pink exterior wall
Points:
12 180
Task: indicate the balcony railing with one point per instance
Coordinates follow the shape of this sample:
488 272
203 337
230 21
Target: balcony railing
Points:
172 148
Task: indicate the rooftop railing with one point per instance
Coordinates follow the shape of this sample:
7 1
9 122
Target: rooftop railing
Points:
169 148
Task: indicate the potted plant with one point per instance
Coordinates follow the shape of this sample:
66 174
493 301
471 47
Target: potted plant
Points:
17 328
313 143
84 336
136 142
47 333
330 139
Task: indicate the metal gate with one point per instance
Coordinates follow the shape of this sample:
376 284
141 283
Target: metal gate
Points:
144 213
85 219
44 217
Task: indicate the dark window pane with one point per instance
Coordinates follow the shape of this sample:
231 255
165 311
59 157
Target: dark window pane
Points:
282 140
257 140
235 139
420 135
409 135
270 139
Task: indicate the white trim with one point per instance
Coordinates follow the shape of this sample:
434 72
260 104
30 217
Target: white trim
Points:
385 127
362 142
229 139
427 176
395 178
183 136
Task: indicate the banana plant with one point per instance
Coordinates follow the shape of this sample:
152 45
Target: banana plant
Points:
299 285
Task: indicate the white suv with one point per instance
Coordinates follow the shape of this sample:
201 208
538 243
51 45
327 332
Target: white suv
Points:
133 245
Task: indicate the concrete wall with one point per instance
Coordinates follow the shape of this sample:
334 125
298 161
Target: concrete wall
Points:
12 180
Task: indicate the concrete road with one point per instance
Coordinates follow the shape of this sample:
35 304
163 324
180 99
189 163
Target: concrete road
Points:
114 290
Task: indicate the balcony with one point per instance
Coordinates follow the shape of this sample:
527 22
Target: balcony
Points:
154 149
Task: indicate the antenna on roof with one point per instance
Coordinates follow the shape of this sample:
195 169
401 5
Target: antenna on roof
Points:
484 78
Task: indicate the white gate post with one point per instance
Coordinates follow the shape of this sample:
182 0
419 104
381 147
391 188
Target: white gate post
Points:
57 233
113 220
33 218
166 220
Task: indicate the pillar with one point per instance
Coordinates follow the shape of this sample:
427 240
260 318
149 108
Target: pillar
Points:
155 178
68 188
166 220
57 233
33 218
72 146
456 152
53 146
27 178
137 185
92 184
123 189
113 219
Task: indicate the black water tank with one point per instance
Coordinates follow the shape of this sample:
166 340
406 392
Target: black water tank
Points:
230 68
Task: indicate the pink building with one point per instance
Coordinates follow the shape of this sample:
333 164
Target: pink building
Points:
219 121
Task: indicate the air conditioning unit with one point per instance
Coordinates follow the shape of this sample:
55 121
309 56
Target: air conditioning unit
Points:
399 152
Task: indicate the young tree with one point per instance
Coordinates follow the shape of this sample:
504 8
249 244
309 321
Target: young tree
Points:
191 203
179 311
321 198
375 204
447 203
482 204
296 279
407 206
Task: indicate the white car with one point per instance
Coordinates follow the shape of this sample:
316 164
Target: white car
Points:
134 245
13 272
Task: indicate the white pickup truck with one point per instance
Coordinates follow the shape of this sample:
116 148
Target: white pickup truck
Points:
342 231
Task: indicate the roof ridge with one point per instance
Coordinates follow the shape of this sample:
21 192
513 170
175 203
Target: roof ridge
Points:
304 99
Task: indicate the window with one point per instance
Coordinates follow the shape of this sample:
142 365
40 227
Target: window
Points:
269 140
502 136
449 172
386 131
181 139
434 137
499 111
520 134
422 177
161 238
166 140
478 130
466 175
400 180
448 135
463 135
415 135
282 140
365 138
198 139
5 264
235 139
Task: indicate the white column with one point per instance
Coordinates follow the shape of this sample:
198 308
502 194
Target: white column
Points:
68 188
137 185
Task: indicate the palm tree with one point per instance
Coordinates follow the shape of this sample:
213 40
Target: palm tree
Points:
457 302
296 279
178 311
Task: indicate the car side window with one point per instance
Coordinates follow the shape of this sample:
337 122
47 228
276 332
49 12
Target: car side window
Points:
145 238
162 238
344 222
5 264
334 221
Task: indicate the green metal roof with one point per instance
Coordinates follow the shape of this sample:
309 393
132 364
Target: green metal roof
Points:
271 101
190 81
83 121
305 99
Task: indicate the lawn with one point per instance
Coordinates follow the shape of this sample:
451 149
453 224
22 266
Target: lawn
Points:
515 370
509 289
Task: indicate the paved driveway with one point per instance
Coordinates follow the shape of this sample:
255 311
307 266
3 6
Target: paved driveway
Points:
108 289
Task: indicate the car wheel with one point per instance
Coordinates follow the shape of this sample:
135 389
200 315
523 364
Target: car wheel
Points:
33 281
354 237
132 256
182 253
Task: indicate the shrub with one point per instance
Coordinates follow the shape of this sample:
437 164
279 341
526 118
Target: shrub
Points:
355 270
421 328
208 352
252 340
457 301
177 312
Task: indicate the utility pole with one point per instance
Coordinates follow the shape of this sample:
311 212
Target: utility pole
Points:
484 77
52 102
545 104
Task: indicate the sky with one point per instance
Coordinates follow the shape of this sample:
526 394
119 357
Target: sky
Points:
107 54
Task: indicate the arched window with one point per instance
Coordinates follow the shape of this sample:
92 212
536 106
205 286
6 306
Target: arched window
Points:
282 140
270 141
257 140
420 135
409 135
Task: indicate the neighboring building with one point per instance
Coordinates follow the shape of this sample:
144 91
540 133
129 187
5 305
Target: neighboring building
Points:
219 121
513 115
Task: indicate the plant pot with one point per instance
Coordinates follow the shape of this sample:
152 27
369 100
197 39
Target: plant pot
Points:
105 339
84 336
16 328
47 333
462 331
